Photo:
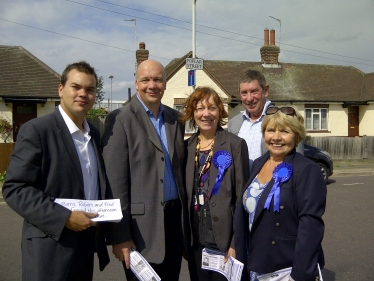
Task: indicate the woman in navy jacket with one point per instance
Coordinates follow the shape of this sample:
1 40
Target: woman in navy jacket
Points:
278 219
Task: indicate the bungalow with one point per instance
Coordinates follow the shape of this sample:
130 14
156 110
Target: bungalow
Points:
28 88
334 100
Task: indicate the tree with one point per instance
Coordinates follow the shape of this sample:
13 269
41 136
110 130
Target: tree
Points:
99 90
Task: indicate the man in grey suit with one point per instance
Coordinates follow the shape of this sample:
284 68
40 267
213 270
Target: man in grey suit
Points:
144 156
58 156
247 125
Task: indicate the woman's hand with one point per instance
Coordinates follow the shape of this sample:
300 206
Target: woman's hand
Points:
231 252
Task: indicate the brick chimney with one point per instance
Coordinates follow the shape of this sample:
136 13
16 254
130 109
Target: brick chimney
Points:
141 54
269 52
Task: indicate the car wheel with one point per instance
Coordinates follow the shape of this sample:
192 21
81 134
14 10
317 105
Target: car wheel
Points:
324 171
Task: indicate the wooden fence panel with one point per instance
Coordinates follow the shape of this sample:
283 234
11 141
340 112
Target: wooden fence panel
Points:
6 150
345 147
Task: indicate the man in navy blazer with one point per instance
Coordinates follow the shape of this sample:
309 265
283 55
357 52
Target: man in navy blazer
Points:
58 156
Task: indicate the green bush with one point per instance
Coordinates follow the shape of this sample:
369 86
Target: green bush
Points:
2 176
96 112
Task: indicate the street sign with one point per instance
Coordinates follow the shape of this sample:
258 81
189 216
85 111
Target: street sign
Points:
191 78
194 63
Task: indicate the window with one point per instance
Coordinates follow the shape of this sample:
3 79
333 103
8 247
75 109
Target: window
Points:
316 118
188 130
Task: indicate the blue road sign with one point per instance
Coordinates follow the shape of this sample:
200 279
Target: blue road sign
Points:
191 77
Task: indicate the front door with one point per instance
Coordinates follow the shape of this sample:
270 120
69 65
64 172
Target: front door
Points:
21 114
353 121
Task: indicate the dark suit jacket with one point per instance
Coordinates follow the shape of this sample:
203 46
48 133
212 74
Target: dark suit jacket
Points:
222 205
135 165
44 166
292 237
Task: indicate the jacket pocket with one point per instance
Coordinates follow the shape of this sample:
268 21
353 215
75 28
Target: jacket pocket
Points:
137 209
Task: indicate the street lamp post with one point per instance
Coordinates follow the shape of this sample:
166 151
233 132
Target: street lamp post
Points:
134 20
280 30
111 97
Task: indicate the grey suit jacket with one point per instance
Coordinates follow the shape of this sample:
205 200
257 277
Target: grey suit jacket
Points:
222 205
135 165
44 166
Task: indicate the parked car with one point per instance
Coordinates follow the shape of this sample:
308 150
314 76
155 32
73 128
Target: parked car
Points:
322 158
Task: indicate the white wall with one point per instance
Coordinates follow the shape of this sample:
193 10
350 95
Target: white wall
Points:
366 120
177 86
48 107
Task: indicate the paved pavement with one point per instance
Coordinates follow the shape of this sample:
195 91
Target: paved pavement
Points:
347 244
358 167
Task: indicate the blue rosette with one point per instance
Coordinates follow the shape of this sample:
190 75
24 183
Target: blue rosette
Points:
221 160
281 174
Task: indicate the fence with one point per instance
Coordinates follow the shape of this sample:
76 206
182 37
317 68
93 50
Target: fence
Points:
345 147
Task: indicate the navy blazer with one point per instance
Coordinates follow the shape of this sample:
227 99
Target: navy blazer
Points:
44 166
292 237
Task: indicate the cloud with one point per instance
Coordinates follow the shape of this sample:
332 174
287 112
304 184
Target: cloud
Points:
59 32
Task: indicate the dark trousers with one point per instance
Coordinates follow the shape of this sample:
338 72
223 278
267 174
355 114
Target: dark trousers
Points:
83 263
194 266
169 269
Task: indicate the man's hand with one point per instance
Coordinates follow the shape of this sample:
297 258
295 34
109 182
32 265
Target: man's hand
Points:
231 252
79 220
122 251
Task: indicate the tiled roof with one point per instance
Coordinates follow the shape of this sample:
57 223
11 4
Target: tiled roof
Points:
24 75
293 81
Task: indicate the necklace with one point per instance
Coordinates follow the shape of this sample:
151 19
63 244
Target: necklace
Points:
212 142
208 158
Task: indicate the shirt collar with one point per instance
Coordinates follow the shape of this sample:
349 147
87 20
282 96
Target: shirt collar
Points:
267 104
147 109
71 125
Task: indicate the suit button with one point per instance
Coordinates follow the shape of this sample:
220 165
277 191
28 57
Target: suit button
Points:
273 242
162 158
213 204
281 207
277 224
161 180
215 219
317 278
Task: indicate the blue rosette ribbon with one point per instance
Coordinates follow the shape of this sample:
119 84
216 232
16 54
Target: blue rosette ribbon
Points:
221 160
281 174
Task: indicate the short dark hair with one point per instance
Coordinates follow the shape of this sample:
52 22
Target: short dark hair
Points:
200 94
250 75
81 66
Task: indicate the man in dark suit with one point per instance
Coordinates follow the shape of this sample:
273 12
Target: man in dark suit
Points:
58 156
144 156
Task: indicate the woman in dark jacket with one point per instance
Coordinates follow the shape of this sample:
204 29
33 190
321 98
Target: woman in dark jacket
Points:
217 168
278 220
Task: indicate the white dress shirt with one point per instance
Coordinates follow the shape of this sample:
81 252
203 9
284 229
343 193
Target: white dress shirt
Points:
86 154
251 133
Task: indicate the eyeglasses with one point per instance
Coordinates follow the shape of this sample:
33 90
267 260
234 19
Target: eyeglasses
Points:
286 110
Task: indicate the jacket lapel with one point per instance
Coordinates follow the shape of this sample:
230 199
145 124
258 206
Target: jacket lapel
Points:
145 123
100 162
190 165
219 142
170 121
68 144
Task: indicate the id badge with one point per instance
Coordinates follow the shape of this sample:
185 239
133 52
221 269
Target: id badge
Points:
201 199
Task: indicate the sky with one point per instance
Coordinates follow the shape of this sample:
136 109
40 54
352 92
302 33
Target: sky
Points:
59 32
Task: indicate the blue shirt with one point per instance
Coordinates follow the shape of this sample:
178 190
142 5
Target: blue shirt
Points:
170 187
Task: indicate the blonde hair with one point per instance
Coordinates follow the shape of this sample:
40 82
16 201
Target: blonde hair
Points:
281 121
